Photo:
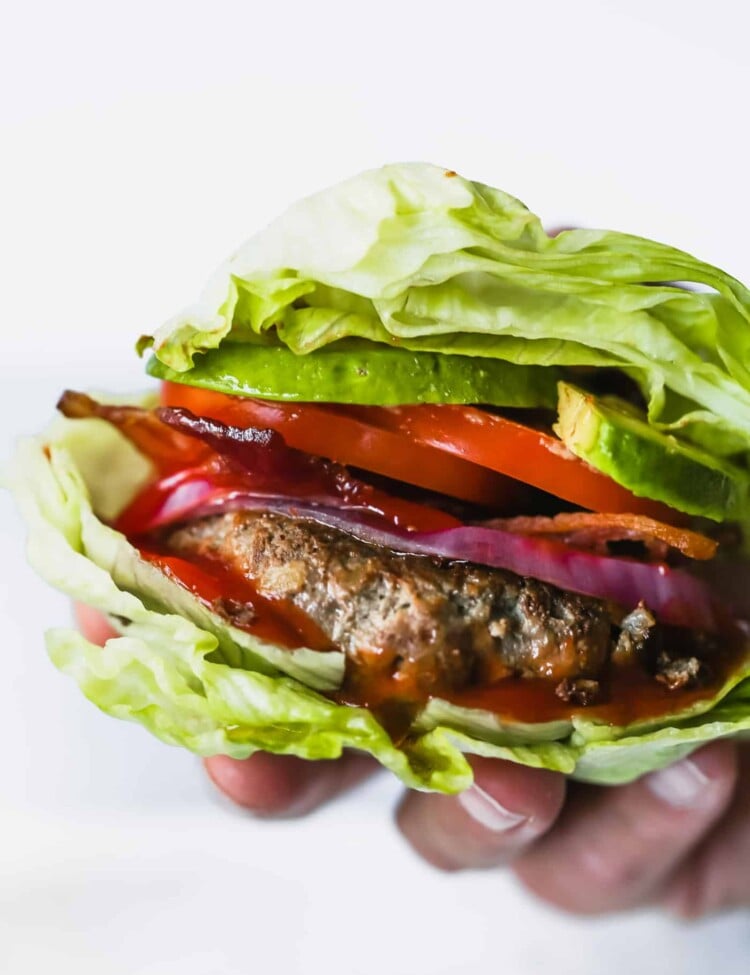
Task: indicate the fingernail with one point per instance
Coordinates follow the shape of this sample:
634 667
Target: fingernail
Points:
488 812
682 785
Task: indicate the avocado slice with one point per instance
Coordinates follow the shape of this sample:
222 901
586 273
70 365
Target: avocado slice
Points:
365 373
617 439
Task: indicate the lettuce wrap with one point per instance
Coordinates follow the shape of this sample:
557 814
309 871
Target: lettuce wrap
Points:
414 258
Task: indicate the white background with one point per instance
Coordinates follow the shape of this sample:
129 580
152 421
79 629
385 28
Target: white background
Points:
139 144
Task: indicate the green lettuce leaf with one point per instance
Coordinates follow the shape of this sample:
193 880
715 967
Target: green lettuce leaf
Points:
418 257
195 681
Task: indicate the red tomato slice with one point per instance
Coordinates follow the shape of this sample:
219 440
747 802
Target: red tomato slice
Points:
532 456
460 451
350 439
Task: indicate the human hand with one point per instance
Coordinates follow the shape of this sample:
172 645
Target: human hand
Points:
679 837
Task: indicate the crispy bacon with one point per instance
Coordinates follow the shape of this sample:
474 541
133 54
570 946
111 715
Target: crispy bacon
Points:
593 532
167 448
266 457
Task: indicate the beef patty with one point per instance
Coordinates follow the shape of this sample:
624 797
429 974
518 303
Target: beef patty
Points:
432 624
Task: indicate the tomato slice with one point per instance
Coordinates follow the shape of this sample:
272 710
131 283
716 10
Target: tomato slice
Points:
522 452
354 440
460 451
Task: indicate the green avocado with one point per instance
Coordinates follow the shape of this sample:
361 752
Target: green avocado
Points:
365 373
616 439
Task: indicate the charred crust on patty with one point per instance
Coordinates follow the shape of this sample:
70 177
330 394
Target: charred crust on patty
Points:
582 691
635 631
679 671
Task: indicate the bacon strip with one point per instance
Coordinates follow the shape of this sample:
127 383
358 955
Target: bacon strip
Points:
167 448
592 532
201 461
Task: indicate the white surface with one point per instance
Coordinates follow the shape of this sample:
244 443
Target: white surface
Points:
141 144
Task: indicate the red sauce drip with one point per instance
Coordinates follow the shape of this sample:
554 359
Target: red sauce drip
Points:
222 590
628 692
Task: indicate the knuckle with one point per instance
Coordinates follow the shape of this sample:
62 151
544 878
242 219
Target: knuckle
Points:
587 881
607 873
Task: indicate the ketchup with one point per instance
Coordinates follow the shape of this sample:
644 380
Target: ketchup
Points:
234 597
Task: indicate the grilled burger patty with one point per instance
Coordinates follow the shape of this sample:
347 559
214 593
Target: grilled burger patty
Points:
433 624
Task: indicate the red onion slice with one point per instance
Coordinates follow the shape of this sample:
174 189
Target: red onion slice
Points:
673 595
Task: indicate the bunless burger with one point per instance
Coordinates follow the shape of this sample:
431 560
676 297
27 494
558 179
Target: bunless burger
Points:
423 480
